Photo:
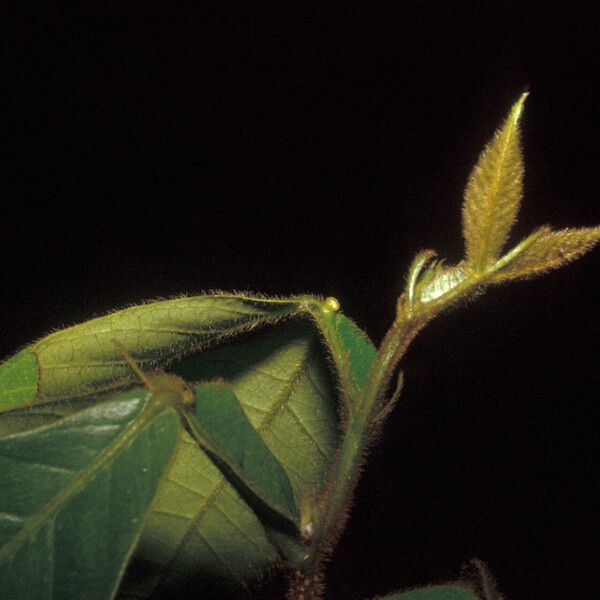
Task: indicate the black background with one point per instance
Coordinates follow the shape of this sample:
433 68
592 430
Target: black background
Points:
283 147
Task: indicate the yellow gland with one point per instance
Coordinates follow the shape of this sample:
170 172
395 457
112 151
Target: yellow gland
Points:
331 304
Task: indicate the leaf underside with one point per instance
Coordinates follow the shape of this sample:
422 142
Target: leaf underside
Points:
222 428
18 380
199 522
82 360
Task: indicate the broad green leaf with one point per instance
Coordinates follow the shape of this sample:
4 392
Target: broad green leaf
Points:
549 250
18 380
74 495
199 524
221 426
449 591
83 361
283 384
493 194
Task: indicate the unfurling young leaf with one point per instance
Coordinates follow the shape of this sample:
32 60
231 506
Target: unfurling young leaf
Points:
493 194
492 200
549 250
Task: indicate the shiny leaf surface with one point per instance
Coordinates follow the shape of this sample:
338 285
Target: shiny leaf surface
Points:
74 495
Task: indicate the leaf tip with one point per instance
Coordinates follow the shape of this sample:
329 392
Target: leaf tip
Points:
518 106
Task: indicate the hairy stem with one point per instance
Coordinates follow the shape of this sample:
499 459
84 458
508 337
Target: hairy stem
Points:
412 316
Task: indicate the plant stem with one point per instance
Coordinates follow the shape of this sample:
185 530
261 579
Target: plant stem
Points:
345 470
344 474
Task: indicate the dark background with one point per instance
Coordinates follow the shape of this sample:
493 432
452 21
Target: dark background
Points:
282 147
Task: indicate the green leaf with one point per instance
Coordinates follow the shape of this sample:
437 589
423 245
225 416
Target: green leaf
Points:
17 421
74 495
199 525
18 380
350 349
353 343
493 194
222 428
82 360
449 591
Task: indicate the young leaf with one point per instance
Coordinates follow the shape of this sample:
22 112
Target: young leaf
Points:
493 194
440 280
82 360
74 495
222 428
199 525
450 591
549 250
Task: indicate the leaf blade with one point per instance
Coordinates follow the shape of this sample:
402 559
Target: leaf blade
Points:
18 380
493 193
281 380
82 361
351 351
55 479
550 250
222 428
